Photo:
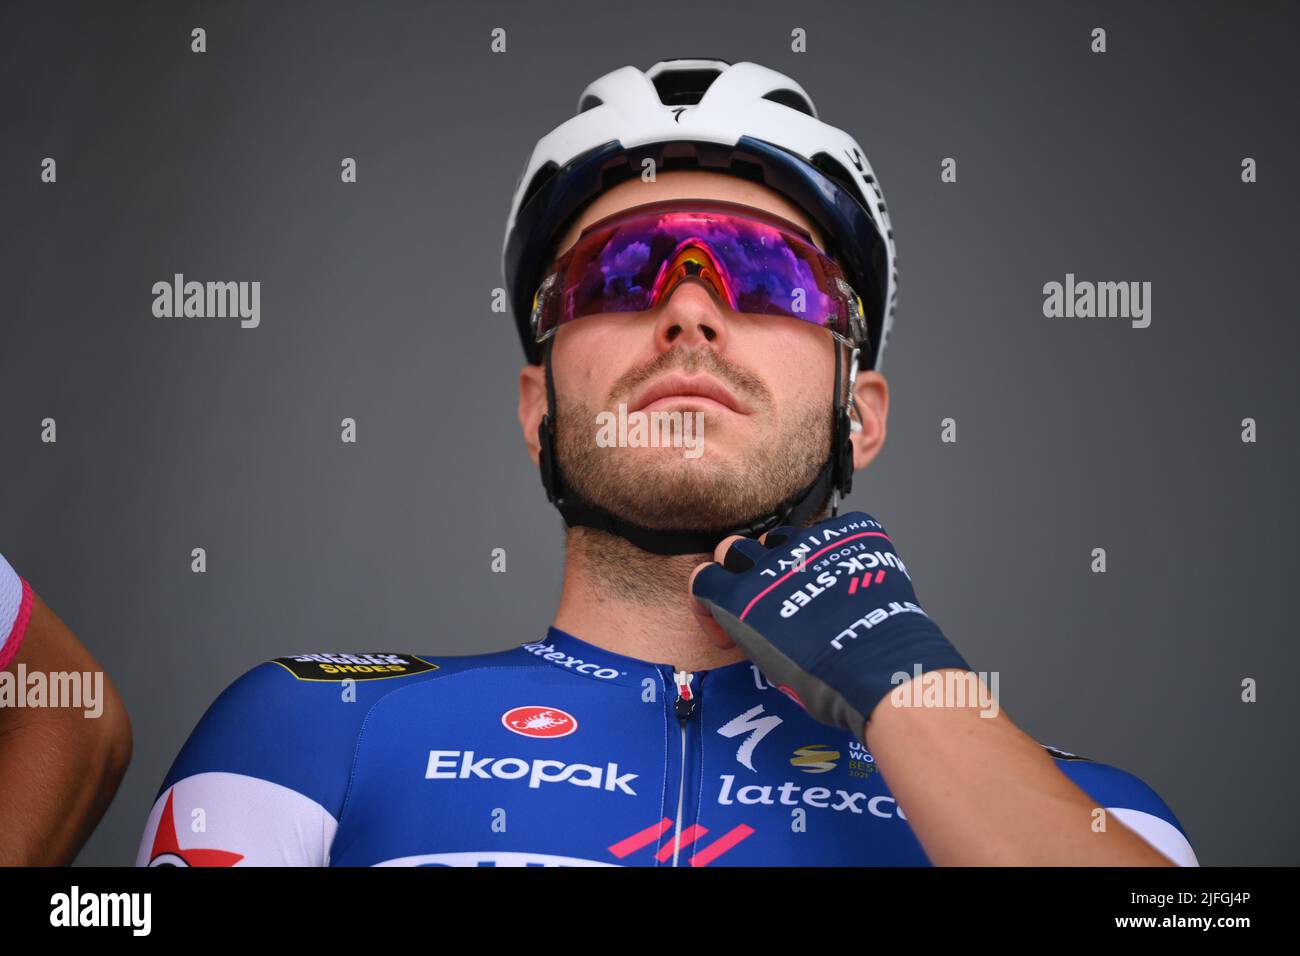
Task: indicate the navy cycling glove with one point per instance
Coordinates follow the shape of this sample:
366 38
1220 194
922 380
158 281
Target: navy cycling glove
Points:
828 614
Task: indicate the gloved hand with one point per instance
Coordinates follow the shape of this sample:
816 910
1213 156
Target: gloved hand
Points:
827 613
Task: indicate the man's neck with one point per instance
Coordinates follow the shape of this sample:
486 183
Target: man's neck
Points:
634 603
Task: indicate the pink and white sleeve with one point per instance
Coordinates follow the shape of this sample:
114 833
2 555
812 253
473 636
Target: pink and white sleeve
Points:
15 611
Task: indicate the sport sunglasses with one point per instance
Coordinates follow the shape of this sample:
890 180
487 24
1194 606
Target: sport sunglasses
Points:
755 262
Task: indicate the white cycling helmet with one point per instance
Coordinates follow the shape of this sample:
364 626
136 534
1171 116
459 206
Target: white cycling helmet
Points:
743 119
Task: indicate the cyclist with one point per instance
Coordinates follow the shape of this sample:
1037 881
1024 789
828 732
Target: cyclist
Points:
737 674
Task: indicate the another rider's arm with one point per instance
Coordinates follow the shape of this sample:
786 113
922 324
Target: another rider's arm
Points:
978 791
59 768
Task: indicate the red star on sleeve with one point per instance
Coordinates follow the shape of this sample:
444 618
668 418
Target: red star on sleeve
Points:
165 843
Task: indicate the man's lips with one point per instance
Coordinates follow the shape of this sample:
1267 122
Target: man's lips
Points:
687 387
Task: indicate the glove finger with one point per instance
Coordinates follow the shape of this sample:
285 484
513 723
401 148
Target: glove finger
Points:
743 554
779 536
711 583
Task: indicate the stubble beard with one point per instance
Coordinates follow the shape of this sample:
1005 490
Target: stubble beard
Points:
663 490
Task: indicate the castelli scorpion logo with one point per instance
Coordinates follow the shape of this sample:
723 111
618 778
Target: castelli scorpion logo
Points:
539 721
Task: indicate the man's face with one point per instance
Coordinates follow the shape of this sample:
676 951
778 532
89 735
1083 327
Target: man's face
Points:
762 383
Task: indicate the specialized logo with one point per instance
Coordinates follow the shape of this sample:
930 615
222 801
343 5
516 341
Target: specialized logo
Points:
167 848
547 652
465 765
341 667
539 721
756 726
815 758
857 159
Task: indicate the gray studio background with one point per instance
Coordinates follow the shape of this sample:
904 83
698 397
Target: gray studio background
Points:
1072 433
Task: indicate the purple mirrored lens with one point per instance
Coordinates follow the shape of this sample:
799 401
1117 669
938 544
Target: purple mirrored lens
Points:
755 267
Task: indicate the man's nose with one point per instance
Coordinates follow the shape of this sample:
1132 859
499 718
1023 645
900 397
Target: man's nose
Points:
692 317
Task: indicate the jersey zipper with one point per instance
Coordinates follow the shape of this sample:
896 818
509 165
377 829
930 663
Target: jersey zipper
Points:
684 706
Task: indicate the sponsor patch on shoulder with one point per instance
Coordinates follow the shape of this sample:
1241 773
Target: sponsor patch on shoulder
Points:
341 667
1062 754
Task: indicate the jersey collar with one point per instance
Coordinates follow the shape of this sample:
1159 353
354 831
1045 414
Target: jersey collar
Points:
561 649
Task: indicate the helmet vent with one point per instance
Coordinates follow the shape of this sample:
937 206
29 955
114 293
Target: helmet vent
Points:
834 169
791 99
683 87
589 102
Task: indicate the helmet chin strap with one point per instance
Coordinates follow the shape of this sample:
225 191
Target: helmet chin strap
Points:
834 480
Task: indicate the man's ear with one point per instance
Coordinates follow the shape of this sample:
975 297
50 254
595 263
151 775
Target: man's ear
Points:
870 409
532 406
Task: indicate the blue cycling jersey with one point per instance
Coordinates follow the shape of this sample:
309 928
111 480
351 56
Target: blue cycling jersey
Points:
550 754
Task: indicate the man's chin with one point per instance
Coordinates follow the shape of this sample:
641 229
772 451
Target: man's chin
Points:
676 499
664 489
